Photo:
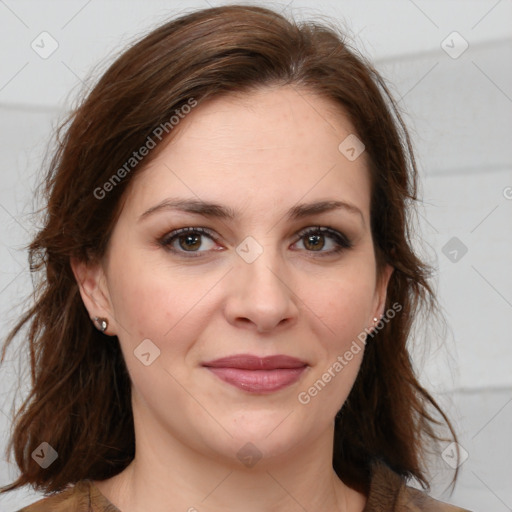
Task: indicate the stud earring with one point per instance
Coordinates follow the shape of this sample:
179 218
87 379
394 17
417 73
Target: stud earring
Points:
101 323
375 321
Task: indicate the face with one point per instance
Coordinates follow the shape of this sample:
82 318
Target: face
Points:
273 279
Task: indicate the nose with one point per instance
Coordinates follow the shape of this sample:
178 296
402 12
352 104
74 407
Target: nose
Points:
260 295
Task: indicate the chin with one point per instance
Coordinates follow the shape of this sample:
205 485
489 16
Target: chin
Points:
272 432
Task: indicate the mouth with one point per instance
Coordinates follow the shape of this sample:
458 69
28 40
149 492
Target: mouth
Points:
258 374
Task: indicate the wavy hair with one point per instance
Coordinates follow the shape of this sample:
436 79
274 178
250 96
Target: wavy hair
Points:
80 397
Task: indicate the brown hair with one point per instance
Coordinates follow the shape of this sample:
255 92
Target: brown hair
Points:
80 400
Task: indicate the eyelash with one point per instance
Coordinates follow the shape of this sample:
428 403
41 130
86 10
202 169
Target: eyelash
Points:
340 239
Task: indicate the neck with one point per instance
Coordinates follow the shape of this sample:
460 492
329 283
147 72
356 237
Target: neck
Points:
171 473
176 475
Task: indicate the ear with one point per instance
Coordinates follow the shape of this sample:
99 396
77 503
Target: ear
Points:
92 283
381 292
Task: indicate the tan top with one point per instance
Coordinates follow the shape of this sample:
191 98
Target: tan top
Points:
388 493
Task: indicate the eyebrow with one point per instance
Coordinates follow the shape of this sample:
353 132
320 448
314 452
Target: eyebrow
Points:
214 210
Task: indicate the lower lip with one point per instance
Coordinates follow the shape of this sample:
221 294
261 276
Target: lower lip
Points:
259 381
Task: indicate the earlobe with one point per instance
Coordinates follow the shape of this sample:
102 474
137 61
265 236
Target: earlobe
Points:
92 285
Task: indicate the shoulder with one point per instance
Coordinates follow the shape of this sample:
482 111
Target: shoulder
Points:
389 493
81 497
416 500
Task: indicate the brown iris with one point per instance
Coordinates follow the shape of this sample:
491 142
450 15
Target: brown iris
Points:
190 238
314 240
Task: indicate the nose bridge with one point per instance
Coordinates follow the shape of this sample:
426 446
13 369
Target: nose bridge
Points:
260 265
261 293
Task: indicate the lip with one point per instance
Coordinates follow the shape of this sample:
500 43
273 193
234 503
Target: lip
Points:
258 374
250 362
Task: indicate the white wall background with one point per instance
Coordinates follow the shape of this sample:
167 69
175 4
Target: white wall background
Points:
460 113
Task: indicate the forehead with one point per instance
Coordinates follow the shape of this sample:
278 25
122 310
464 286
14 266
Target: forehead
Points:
267 146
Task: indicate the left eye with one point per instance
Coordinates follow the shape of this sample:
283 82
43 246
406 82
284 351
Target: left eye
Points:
190 240
314 238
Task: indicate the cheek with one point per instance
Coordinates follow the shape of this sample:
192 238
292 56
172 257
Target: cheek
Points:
340 349
142 305
157 302
343 306
148 296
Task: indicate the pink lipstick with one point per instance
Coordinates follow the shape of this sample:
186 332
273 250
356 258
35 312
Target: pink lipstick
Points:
257 374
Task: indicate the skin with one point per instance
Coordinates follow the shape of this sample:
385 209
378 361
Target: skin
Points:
259 154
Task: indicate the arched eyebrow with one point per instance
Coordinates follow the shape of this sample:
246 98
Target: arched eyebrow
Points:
214 210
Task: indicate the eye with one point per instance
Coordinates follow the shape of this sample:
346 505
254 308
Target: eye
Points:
188 240
314 240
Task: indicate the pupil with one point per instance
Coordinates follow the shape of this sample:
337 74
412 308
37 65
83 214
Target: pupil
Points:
189 241
314 240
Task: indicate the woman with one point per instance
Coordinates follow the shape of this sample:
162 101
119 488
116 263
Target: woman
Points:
228 283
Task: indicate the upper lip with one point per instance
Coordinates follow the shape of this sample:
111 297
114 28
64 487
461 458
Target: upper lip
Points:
250 362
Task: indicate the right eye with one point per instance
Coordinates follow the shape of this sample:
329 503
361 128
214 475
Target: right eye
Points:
186 240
